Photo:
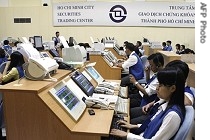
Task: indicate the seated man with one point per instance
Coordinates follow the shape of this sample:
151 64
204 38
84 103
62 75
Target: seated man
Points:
139 114
148 92
133 63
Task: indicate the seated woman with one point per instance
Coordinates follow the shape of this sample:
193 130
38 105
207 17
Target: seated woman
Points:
15 69
3 57
167 114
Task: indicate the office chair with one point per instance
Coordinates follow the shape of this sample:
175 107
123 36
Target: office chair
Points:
4 67
187 125
144 61
193 91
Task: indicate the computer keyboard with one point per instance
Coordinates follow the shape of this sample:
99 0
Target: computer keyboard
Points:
121 106
115 125
123 92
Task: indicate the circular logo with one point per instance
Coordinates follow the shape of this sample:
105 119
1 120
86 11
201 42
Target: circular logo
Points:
117 13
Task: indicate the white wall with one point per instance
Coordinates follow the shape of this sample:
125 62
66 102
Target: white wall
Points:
42 25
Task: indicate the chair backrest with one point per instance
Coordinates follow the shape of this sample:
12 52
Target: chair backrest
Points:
4 67
144 60
193 91
187 124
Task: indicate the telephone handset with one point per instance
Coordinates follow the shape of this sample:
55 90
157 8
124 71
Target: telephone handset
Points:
97 103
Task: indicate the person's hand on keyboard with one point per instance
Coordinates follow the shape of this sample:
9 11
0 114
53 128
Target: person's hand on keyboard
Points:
125 124
119 133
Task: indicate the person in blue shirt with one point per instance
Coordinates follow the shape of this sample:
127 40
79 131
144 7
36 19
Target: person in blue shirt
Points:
148 92
3 57
133 64
7 48
168 46
167 114
57 39
139 114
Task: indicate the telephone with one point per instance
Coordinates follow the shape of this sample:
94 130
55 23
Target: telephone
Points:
110 85
104 90
97 103
39 68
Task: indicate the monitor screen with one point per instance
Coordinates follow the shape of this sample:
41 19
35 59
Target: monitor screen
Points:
93 73
83 83
68 100
38 43
67 97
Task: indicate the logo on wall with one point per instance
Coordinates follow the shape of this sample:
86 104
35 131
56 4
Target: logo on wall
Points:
117 13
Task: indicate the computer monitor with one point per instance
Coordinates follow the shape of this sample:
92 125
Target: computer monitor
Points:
68 100
83 83
94 74
38 43
54 53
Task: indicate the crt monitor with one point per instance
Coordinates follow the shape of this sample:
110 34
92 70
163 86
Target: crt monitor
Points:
68 100
83 83
38 43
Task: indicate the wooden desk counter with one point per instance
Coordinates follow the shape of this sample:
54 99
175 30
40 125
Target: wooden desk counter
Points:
32 114
169 56
191 75
146 49
106 71
154 50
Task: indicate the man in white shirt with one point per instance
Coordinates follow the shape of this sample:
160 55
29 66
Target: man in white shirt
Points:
133 63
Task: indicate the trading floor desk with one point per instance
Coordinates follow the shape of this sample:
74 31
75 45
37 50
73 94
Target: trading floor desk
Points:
32 114
154 50
191 75
104 69
169 56
146 49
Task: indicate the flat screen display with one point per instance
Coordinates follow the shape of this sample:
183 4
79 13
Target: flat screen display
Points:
38 43
83 83
68 100
67 97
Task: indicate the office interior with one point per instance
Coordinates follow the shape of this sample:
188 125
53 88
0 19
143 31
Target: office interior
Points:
42 24
45 116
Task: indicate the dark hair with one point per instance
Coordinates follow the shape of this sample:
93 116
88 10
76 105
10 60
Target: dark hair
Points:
130 46
181 65
178 46
157 58
15 44
56 32
183 46
16 60
2 53
172 76
139 42
188 51
6 42
168 41
163 43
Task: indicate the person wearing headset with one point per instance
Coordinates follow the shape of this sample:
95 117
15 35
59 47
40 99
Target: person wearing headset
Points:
148 92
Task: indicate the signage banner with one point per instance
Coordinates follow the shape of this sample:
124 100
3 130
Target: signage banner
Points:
164 14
